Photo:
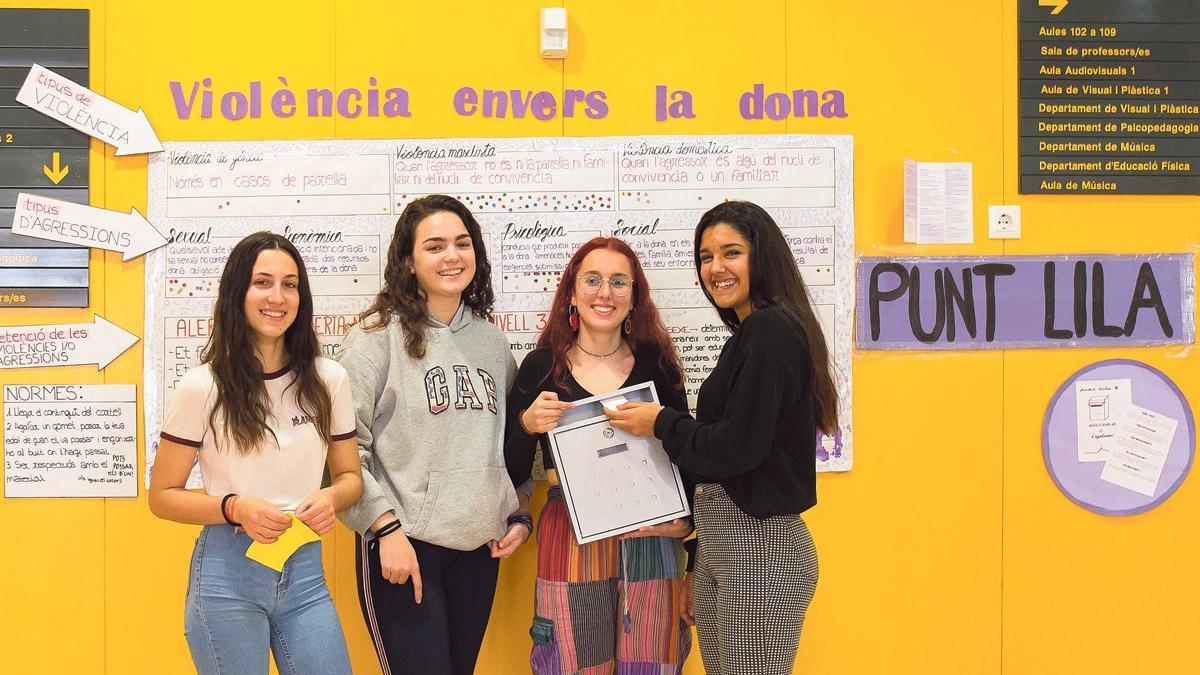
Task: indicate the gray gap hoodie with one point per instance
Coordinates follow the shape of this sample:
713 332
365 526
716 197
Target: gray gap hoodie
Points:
431 431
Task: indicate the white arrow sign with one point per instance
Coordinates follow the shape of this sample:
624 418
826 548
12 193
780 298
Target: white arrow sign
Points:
68 344
129 233
81 108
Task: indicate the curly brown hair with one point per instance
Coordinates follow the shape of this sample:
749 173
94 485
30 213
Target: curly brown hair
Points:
401 296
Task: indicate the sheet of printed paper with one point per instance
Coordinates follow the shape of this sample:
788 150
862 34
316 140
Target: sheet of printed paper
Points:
70 440
938 203
1143 443
537 200
1100 407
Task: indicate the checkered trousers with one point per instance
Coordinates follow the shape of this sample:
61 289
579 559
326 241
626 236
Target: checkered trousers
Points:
752 585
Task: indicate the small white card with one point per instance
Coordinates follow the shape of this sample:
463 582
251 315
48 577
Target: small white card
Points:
1100 407
1142 444
614 402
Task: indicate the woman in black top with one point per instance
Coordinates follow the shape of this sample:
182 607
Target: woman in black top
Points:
752 445
608 605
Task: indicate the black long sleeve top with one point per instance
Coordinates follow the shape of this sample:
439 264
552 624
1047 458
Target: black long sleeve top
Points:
532 380
755 426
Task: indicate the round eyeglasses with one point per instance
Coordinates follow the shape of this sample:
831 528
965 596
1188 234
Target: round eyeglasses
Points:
619 284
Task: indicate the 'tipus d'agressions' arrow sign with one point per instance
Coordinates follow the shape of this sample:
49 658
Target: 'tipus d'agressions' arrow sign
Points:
81 108
70 344
128 233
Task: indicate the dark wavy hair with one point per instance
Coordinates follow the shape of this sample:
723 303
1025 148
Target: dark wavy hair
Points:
648 339
241 392
775 281
401 296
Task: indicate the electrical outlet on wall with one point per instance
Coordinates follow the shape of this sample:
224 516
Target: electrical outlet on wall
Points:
1004 221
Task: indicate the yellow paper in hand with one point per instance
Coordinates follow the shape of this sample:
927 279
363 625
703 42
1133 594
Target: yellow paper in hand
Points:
275 555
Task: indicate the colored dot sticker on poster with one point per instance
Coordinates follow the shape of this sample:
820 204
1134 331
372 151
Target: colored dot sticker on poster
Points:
1118 437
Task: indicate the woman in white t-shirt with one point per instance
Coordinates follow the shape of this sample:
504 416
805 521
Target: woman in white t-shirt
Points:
265 415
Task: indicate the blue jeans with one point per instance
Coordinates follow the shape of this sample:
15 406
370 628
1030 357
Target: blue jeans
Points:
237 609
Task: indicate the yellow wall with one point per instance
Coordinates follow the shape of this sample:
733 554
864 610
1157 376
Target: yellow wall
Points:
946 550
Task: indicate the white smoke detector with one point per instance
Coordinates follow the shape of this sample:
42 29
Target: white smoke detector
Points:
554 33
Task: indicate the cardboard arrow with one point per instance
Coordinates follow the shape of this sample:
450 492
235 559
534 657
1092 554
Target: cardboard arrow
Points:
69 344
128 233
81 108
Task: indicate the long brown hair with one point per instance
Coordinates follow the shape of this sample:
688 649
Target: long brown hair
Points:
648 339
241 392
401 296
775 281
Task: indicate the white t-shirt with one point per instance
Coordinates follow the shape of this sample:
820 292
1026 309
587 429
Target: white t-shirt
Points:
283 473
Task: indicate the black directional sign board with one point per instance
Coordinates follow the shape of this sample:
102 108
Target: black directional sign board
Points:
1109 96
40 156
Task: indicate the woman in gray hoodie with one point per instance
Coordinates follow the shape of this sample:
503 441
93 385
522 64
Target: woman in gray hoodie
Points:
430 375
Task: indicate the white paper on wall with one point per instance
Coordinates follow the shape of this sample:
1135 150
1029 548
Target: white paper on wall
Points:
537 199
1100 407
1140 453
938 202
70 440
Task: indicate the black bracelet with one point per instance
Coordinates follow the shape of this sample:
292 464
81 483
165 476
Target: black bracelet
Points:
521 421
224 514
387 529
522 518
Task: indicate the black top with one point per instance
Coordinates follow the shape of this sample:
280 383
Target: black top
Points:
755 429
532 380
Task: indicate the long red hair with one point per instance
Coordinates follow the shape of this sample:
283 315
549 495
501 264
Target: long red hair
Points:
648 339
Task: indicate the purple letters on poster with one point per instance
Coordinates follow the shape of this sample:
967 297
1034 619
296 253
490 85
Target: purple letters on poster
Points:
1005 302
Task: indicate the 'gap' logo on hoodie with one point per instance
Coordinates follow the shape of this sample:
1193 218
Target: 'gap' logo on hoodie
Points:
438 391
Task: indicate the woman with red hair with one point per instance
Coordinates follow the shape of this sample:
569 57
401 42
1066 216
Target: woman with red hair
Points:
611 604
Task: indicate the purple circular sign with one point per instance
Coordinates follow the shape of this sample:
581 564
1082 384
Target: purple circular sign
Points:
1102 383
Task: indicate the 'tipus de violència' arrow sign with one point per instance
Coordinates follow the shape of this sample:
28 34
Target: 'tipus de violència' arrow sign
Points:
81 108
68 344
127 233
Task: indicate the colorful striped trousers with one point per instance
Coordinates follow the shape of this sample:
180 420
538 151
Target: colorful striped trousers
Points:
610 606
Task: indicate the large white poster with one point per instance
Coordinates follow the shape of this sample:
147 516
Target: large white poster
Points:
537 200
